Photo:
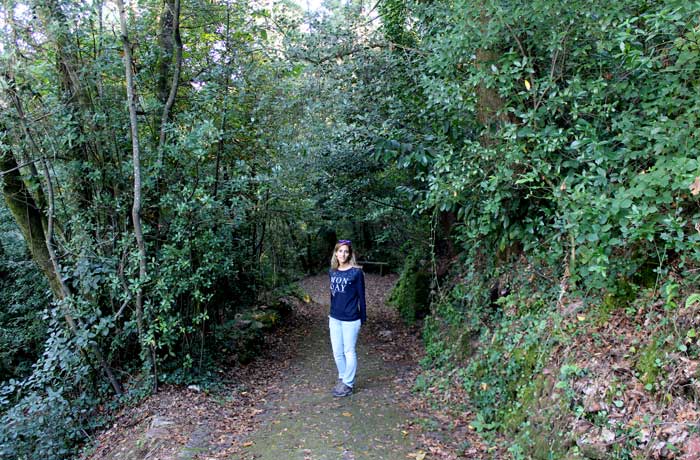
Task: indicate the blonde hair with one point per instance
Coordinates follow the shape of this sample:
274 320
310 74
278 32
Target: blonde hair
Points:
334 259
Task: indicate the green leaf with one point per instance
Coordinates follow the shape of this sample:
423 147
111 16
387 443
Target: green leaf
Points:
625 203
692 299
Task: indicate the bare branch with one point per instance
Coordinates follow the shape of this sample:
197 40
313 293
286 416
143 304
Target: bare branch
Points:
19 166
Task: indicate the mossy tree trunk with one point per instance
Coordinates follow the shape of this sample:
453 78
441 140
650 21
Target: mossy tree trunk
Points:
28 216
490 105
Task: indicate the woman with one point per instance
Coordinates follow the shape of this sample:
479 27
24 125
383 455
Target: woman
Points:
347 314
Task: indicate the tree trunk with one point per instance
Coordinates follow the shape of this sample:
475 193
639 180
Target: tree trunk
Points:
38 234
76 94
29 218
169 39
35 225
166 40
489 103
136 208
225 80
177 65
65 292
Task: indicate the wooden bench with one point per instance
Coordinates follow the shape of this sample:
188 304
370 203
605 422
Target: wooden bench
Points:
368 262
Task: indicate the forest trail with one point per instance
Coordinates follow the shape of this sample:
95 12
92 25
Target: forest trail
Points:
304 421
279 407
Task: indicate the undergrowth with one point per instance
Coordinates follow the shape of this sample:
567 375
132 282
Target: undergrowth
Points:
558 377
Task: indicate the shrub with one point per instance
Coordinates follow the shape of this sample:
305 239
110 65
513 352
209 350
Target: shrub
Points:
48 414
411 295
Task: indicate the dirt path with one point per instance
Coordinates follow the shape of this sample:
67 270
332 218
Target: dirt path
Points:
279 406
302 420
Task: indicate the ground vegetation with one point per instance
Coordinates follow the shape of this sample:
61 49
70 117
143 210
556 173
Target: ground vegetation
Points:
168 168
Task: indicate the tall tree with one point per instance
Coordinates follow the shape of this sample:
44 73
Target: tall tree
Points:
136 207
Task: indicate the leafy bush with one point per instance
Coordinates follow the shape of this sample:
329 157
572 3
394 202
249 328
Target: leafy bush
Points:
497 351
47 414
24 295
411 295
564 129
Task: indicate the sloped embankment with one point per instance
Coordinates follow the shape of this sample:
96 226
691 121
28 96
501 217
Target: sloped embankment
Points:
612 377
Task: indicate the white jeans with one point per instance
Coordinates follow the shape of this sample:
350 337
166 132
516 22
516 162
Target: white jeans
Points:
343 339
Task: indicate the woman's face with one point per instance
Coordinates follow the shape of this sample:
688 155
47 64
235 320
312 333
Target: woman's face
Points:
342 254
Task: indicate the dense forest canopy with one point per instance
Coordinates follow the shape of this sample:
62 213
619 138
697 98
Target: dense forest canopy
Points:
165 164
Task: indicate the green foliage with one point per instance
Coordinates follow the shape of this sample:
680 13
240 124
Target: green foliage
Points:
244 336
589 147
411 295
562 134
650 362
559 134
618 297
457 319
395 21
543 436
60 387
211 230
23 300
497 353
326 113
499 375
442 330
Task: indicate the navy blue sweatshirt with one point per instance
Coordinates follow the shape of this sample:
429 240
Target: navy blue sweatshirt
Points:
348 295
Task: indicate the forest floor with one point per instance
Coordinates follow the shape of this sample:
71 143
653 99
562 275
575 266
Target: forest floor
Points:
279 406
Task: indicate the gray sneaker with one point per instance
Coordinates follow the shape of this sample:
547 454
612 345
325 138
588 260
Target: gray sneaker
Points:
339 386
342 390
